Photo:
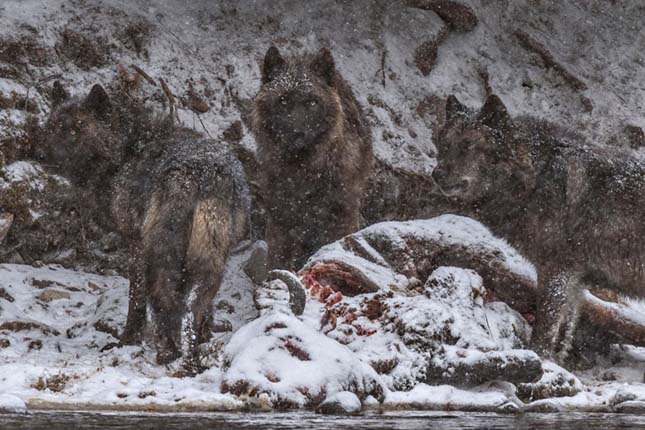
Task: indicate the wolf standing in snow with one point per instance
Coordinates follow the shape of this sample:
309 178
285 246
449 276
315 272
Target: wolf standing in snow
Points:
567 207
315 151
180 201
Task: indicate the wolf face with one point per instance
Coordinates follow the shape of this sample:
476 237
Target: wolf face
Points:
297 105
78 139
481 154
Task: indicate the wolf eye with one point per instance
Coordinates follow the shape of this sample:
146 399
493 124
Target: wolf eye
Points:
283 100
313 102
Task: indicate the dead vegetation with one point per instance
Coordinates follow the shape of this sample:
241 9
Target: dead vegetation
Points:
24 49
18 102
56 383
84 50
136 36
15 326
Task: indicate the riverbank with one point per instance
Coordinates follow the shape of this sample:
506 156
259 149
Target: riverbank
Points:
62 355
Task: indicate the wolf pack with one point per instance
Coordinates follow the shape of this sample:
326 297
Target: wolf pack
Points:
182 201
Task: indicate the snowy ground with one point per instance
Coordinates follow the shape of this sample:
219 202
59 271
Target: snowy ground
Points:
57 350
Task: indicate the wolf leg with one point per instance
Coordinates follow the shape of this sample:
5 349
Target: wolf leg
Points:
557 316
135 324
165 233
212 236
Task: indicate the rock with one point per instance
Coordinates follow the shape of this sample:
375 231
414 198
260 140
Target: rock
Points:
544 407
5 343
5 295
470 367
425 56
222 326
631 407
111 310
16 326
51 295
343 403
256 265
6 219
35 345
555 382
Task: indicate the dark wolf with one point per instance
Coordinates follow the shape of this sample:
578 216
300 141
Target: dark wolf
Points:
315 152
576 210
180 201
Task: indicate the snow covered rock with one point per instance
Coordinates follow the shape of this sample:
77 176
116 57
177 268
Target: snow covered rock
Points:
342 403
464 367
555 382
10 403
279 356
111 310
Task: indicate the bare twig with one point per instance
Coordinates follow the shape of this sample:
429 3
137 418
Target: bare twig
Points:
381 70
203 126
169 95
145 76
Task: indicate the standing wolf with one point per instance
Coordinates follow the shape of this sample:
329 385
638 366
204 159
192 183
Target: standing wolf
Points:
180 201
577 211
315 151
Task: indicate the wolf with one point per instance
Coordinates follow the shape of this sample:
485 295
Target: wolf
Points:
181 202
574 209
315 152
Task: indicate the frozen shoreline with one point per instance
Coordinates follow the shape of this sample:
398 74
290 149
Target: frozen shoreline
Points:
126 379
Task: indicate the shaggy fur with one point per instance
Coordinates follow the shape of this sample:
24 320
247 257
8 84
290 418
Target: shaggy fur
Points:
567 206
315 151
180 201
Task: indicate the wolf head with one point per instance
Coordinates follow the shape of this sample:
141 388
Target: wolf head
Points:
78 139
482 154
298 105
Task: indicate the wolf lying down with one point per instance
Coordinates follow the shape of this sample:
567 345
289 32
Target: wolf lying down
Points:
575 210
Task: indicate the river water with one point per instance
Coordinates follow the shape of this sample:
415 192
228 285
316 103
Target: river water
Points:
309 421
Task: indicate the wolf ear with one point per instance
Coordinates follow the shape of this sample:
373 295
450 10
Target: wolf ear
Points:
59 94
454 108
494 113
273 65
324 66
98 102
